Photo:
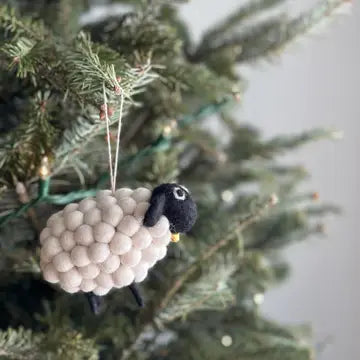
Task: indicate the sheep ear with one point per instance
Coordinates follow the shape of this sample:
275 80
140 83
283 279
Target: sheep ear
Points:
156 209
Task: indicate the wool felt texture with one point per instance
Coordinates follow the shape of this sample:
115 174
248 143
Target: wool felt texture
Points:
175 203
104 242
101 243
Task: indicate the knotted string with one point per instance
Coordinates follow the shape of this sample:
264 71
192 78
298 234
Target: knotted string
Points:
113 169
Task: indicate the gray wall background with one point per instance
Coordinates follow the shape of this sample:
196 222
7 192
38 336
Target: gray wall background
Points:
314 84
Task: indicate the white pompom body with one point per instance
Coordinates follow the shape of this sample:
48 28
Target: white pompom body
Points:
101 243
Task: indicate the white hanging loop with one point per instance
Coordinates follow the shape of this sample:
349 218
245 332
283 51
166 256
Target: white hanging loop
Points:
113 169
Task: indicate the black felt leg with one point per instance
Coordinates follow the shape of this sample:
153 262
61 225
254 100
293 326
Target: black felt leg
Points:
94 302
138 298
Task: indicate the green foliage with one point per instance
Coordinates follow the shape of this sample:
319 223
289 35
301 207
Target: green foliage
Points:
177 127
249 341
209 291
262 37
58 344
23 149
19 344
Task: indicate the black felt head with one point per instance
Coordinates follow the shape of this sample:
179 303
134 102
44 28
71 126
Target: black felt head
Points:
175 202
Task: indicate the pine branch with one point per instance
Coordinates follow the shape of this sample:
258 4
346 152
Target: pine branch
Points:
162 311
270 36
23 149
67 17
20 344
222 30
12 27
256 45
247 145
285 143
213 249
211 291
87 73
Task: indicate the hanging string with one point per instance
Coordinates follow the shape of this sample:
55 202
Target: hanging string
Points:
118 138
113 170
108 139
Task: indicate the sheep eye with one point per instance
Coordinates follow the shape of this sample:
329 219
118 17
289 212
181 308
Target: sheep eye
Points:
179 194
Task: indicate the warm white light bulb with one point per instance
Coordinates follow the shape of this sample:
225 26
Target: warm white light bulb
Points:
226 340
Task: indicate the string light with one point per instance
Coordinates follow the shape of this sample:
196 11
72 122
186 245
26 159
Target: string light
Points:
168 129
259 299
227 196
226 340
222 157
274 199
44 170
337 135
237 97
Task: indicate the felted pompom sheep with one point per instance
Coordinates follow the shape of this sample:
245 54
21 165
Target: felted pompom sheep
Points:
112 240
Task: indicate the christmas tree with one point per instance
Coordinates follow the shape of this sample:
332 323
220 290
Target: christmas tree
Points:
65 77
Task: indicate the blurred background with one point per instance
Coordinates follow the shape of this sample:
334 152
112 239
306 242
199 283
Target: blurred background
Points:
314 84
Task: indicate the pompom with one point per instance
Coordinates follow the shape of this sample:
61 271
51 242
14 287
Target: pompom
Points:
150 254
86 205
50 274
123 193
71 278
98 252
42 264
73 219
142 238
100 291
140 211
111 264
44 235
51 248
128 205
103 232
51 219
123 276
103 193
105 201
87 285
160 228
69 289
62 262
128 225
162 252
84 235
162 240
67 240
141 195
105 280
112 215
70 208
92 217
79 255
90 271
120 244
140 271
58 226
131 258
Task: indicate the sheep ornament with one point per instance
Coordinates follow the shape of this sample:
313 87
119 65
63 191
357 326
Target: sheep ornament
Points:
112 240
